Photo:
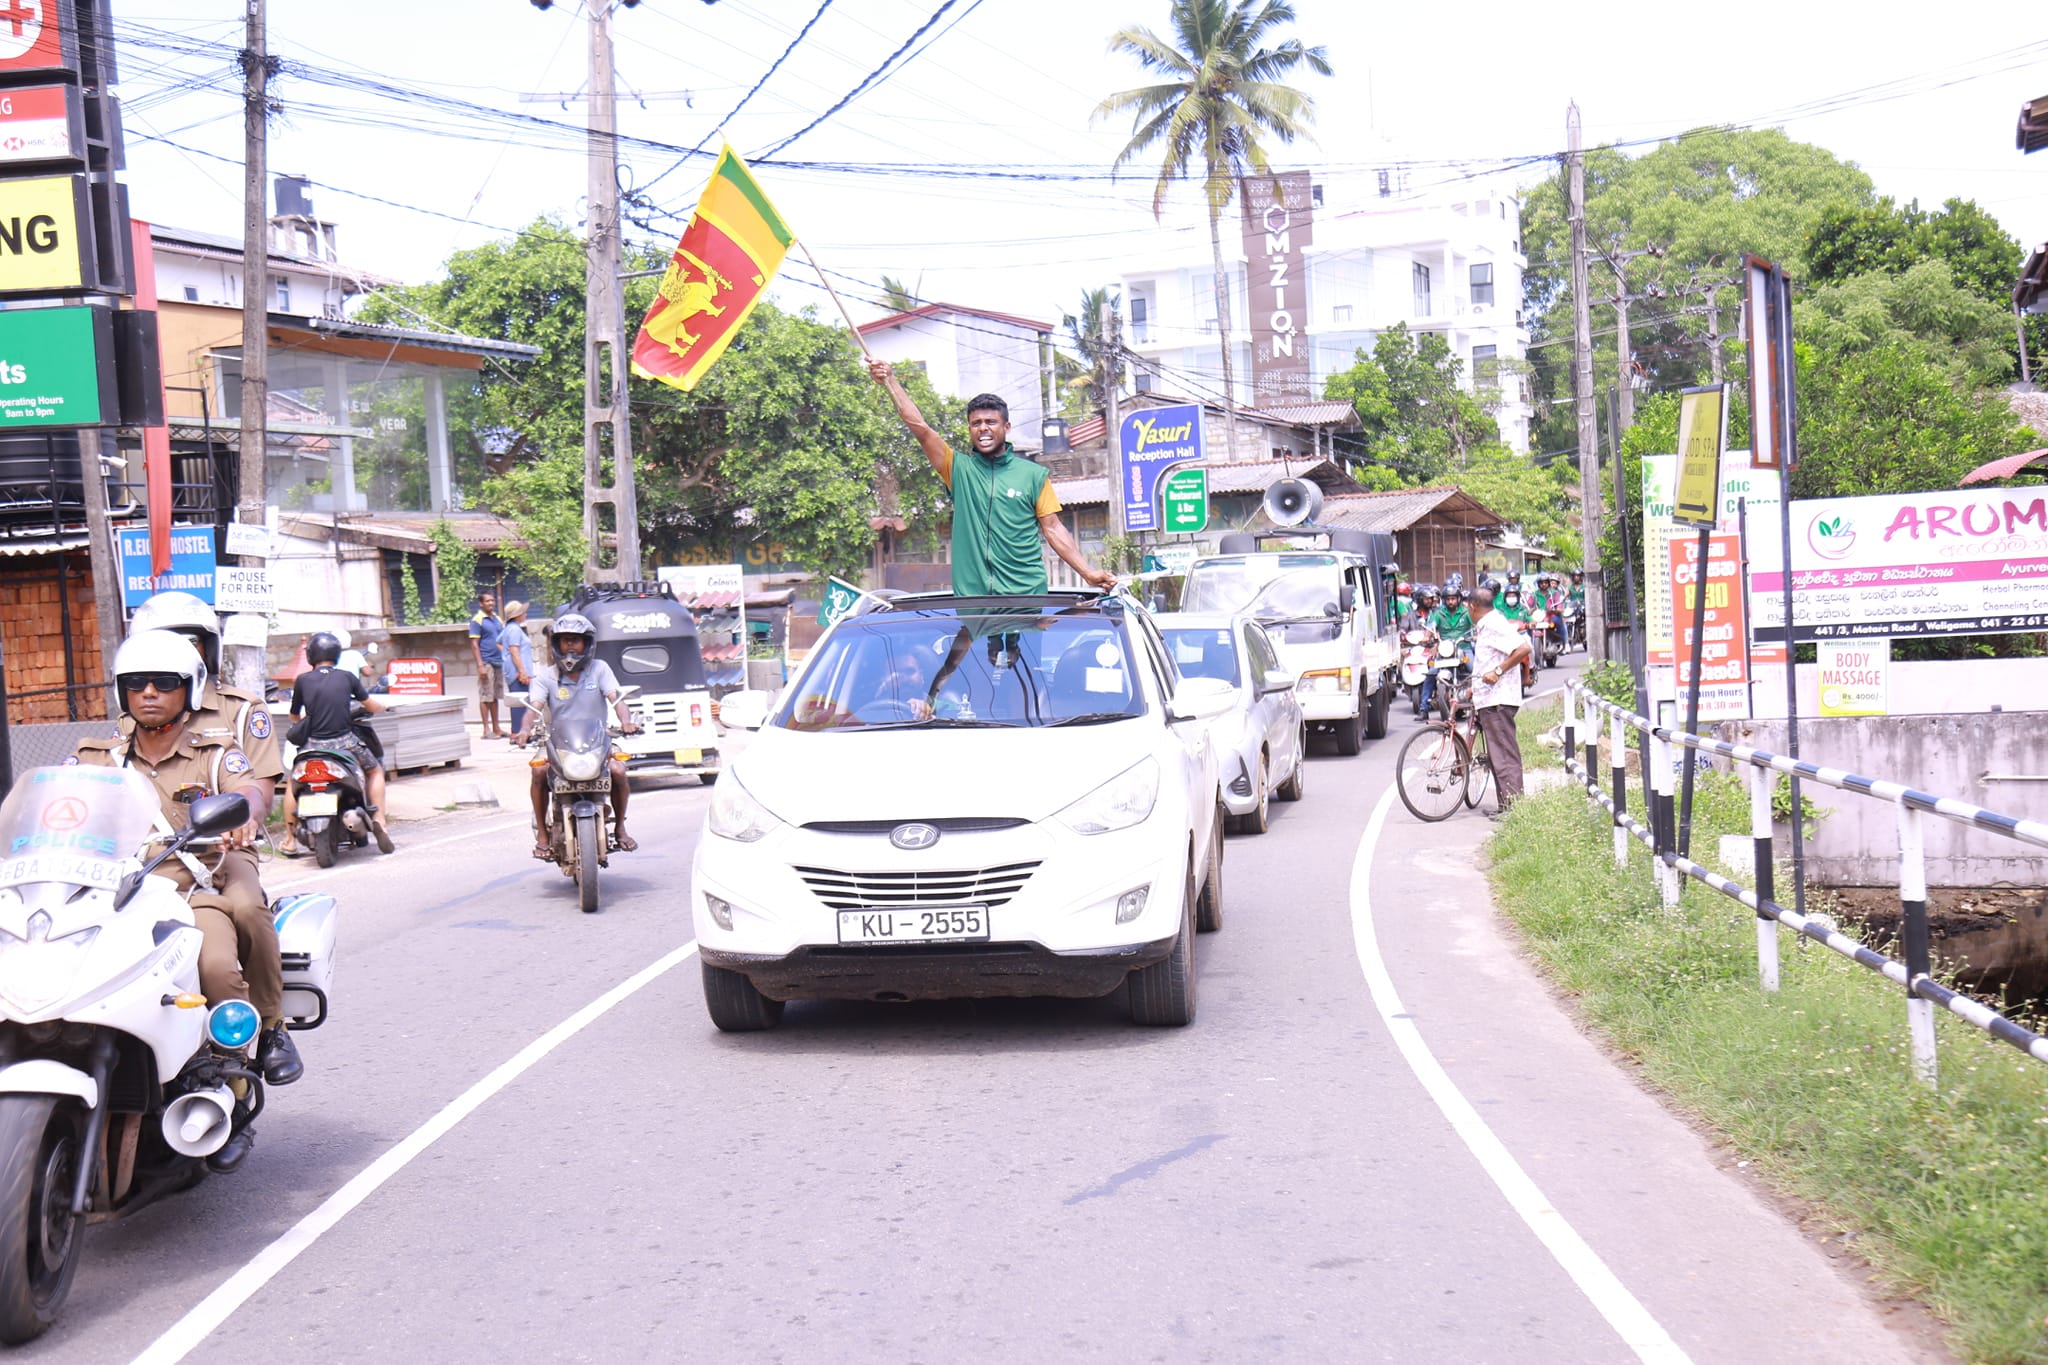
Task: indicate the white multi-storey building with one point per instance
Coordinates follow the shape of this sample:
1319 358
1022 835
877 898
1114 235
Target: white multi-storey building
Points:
1452 266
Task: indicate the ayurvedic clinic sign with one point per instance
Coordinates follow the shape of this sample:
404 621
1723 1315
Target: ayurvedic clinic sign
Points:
1908 565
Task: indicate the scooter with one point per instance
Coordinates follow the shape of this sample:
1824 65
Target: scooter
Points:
117 1082
1452 669
1543 647
1571 618
328 795
1414 665
577 752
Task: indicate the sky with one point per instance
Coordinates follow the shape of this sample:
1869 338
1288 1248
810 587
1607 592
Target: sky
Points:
1475 93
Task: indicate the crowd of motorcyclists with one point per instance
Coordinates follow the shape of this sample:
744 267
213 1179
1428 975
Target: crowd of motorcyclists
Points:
1438 624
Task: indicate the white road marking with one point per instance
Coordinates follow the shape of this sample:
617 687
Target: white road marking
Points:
1631 1321
525 822
210 1312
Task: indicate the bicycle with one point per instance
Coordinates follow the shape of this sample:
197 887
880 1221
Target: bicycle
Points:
1445 764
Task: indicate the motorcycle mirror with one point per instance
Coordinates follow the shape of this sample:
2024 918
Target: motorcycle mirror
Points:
218 814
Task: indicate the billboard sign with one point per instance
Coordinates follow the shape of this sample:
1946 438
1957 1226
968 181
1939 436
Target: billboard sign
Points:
56 367
192 564
415 678
1742 486
1914 565
1854 676
1185 496
1702 433
41 123
1279 215
37 35
1715 586
1148 443
46 233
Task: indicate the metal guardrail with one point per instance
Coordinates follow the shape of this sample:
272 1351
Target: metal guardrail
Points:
1923 993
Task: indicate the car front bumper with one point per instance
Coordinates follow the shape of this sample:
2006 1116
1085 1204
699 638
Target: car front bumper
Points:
940 971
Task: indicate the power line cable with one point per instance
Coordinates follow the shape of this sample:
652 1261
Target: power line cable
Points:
870 79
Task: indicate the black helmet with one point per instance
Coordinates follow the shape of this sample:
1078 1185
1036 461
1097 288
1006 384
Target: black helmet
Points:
572 623
323 648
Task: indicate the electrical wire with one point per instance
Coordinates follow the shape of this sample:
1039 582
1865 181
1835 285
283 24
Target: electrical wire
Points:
878 74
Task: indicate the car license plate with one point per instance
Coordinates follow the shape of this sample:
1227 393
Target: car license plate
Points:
689 756
319 803
950 924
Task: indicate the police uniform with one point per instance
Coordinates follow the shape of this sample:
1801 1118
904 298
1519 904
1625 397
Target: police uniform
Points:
201 765
238 718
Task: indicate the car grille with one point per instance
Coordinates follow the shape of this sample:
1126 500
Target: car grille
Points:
949 824
884 890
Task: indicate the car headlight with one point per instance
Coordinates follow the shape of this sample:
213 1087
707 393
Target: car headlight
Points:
580 767
1119 803
736 815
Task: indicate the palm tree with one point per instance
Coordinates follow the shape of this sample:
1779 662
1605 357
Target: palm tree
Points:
1085 330
1223 88
897 295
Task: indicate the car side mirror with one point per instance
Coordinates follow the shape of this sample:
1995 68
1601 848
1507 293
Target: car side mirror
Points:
1347 597
1203 699
746 710
1276 680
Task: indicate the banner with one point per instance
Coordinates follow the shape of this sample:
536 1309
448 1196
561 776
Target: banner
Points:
730 251
1948 562
1147 443
1279 215
1724 652
1854 676
1742 487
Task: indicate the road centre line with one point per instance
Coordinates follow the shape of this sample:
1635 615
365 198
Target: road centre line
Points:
188 1332
1641 1332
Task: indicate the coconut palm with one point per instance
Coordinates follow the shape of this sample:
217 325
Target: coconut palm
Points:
1102 367
1223 90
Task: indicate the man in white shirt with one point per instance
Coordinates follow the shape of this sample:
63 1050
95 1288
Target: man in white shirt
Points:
1498 650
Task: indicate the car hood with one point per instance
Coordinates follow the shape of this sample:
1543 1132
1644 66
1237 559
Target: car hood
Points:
926 774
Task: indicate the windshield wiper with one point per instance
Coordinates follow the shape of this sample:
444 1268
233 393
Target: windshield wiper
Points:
1090 718
936 723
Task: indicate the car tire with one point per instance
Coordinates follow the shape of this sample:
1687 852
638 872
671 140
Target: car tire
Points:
1209 904
1163 994
1377 713
1259 818
1291 789
733 1003
1351 732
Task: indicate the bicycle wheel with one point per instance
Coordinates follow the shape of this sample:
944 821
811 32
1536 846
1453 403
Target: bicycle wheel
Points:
1479 772
1430 774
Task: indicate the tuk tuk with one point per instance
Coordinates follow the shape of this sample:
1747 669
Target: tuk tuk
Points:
650 641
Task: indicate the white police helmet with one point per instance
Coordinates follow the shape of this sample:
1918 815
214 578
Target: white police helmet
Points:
160 652
186 614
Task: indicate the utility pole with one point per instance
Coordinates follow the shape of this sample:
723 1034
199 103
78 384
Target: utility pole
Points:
1582 391
244 663
607 417
1111 340
1714 329
1624 350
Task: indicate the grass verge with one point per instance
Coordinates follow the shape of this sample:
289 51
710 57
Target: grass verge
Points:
1941 1190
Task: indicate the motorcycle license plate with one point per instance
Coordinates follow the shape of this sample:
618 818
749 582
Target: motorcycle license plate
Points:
319 803
950 924
689 756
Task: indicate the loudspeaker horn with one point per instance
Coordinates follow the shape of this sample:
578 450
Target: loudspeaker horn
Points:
198 1124
1293 501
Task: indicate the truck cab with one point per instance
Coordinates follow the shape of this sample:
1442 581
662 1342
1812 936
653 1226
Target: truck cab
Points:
1322 597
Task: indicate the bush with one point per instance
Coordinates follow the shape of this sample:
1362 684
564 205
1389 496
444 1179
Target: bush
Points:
1611 681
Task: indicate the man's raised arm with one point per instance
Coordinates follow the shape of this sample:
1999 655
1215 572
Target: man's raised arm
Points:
934 445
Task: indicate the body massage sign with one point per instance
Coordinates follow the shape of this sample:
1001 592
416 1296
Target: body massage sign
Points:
1912 565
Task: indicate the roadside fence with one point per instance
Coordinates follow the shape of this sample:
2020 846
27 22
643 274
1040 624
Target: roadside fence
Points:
1586 715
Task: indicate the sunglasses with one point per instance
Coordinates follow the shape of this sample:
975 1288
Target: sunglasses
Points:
162 682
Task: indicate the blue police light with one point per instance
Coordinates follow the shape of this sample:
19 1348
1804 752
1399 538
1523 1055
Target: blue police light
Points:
232 1023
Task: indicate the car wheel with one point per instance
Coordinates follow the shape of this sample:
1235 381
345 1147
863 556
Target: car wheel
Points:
1258 819
1209 906
1163 994
1351 732
733 1003
1291 789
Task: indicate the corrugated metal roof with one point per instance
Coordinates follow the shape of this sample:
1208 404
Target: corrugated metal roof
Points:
413 534
1334 413
47 546
1398 509
438 341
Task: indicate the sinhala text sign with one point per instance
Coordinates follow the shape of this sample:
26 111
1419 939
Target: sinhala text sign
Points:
1724 653
1148 442
1743 487
1949 562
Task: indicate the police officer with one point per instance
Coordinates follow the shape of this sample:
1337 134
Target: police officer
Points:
242 719
157 674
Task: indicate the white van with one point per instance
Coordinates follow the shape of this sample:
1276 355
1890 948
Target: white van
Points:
1325 608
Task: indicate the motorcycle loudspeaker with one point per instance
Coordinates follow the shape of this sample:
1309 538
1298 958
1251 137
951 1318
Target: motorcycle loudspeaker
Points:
198 1124
1293 501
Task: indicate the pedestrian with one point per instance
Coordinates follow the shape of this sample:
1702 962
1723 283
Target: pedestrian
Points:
1499 650
1003 504
484 630
516 647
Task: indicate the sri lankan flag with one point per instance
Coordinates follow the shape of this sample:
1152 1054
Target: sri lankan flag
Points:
730 251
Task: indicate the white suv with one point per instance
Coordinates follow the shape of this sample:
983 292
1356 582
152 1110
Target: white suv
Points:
998 796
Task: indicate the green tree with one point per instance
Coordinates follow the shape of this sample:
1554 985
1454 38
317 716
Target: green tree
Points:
1102 366
897 294
454 574
1850 240
1418 420
1223 90
1921 309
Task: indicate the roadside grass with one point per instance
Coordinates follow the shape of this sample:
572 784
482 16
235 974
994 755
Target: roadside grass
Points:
1532 721
1941 1191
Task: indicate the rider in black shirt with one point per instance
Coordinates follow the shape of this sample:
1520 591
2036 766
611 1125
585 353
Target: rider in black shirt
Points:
326 697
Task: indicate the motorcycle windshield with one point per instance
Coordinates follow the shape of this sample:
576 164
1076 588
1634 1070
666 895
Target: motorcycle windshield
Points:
581 732
74 824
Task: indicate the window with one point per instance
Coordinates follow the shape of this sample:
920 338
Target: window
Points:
1486 364
1421 290
1141 316
284 295
644 659
191 293
1482 283
1341 313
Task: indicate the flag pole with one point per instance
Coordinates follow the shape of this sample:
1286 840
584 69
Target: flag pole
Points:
858 339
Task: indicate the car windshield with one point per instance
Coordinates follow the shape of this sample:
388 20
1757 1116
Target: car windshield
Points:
1203 652
942 669
1270 587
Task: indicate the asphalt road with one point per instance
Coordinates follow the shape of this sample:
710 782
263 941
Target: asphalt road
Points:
1288 1179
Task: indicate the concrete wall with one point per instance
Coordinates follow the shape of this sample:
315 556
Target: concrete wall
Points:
1962 756
1925 689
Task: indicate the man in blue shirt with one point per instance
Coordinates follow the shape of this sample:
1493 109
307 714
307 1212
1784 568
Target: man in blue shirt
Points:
484 629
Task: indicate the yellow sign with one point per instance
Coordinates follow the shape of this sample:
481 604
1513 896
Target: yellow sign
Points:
42 232
1854 676
1702 435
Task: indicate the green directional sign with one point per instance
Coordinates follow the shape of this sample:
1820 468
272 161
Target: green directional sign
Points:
56 367
1185 494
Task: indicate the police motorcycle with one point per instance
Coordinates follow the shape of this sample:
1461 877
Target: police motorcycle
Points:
576 747
329 793
117 1082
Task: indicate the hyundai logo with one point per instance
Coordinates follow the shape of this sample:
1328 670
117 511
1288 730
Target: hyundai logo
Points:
914 836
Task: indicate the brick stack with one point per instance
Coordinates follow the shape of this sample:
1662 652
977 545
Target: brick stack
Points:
32 633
